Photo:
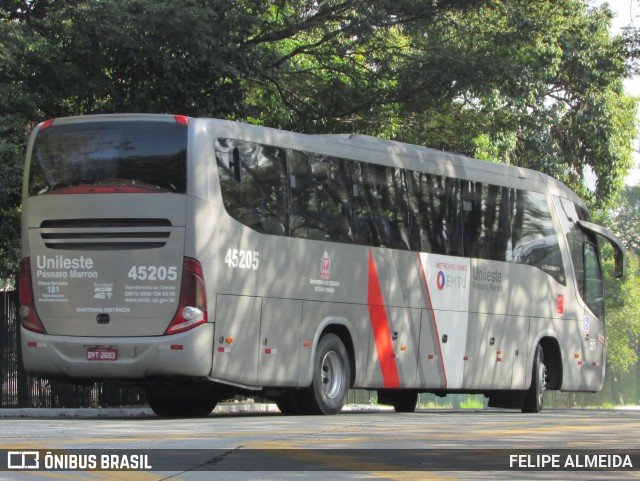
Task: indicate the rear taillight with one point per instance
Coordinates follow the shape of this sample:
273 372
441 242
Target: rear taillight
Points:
192 308
28 315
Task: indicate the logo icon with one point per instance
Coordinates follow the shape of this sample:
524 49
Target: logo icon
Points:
102 291
325 266
440 280
23 460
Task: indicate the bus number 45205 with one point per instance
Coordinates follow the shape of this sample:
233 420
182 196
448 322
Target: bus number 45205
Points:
153 273
241 259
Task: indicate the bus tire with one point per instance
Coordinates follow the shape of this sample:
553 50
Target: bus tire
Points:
289 403
406 402
168 404
534 396
403 401
331 377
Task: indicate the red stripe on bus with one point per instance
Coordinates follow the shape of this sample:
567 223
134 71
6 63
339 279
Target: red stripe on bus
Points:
435 323
381 331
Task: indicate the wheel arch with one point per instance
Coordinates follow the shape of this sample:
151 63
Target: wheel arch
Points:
341 327
553 361
344 334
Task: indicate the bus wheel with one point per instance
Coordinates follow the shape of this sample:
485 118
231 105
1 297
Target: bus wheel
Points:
402 401
534 396
331 376
289 403
169 404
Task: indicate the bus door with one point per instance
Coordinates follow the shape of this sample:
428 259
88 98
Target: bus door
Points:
593 320
582 237
592 285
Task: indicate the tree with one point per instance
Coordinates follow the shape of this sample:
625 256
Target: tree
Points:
623 296
623 320
18 109
201 58
535 84
626 218
538 85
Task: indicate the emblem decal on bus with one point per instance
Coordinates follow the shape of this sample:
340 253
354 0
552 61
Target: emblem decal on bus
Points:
325 266
325 284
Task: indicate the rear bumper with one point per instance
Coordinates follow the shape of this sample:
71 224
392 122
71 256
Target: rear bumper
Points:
186 354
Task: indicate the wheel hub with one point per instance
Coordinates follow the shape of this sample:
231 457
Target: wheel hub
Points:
331 374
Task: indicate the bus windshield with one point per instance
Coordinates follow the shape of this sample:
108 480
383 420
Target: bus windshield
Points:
124 156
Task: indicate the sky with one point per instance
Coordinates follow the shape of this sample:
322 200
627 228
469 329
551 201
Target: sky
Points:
628 14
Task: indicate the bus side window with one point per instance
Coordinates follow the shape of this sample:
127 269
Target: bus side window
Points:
569 214
364 231
534 238
472 210
318 197
435 209
253 191
386 213
397 187
487 221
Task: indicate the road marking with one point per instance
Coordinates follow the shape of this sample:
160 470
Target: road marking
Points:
405 433
341 463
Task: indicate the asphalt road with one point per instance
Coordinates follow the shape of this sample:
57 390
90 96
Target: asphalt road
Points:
426 445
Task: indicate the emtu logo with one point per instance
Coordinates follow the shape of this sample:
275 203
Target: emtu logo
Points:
440 280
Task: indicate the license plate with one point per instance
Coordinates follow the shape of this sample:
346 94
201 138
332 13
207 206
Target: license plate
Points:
102 354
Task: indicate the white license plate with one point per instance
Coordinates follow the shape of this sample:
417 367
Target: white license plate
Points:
102 354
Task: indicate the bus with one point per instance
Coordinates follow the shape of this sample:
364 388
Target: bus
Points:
201 259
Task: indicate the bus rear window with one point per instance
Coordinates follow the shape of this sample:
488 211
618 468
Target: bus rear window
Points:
123 156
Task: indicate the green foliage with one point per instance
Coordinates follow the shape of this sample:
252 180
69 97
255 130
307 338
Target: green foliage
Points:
623 296
535 84
18 108
623 317
626 217
137 55
542 82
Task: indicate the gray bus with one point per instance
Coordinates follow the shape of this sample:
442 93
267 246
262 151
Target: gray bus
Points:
203 258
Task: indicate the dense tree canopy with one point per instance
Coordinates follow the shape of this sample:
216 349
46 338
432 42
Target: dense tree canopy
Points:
623 320
626 218
535 84
623 298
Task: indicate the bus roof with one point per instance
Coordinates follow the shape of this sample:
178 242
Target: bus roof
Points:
399 154
370 149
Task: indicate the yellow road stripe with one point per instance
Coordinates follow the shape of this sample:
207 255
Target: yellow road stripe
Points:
332 440
344 463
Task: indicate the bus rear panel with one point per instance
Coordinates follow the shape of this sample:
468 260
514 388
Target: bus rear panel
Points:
105 278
